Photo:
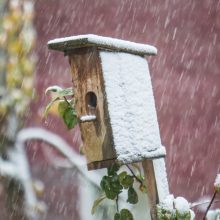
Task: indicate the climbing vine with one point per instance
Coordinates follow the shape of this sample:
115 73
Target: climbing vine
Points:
112 186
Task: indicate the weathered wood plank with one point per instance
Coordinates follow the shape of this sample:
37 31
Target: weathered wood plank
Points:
151 187
87 78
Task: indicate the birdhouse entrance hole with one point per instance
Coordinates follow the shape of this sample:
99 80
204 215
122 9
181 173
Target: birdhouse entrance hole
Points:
91 103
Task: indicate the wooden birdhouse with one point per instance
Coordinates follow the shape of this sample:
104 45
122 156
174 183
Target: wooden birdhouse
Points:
114 99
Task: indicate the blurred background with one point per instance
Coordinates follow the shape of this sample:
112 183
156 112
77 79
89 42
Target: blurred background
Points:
185 77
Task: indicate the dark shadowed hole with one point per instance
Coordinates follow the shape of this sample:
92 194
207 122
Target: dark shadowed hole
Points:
91 102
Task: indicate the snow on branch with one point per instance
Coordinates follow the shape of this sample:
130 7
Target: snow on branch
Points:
7 169
77 162
17 166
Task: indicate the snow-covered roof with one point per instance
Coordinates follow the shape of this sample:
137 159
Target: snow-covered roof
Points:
131 107
69 43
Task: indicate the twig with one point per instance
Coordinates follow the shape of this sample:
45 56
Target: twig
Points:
139 180
193 205
213 197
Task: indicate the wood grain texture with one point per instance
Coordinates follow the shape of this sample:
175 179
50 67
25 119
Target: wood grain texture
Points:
87 77
151 187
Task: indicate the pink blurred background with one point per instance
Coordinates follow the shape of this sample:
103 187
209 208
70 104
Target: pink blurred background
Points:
185 76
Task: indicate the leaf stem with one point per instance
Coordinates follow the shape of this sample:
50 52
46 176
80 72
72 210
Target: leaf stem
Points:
139 180
213 197
67 101
117 203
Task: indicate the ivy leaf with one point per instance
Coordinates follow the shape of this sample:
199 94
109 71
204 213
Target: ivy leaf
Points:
126 215
117 216
111 186
106 187
50 105
113 169
70 117
63 105
105 183
96 203
115 184
122 175
132 196
126 181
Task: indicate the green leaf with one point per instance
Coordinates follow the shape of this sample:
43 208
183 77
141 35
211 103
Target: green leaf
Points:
166 214
183 216
70 117
96 203
106 187
110 194
111 186
126 215
115 184
122 175
105 182
117 216
50 105
113 169
127 181
132 196
63 105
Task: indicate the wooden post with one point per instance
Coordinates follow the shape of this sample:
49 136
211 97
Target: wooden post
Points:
156 182
151 187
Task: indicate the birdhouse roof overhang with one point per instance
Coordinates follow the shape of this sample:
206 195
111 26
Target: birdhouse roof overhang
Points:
107 43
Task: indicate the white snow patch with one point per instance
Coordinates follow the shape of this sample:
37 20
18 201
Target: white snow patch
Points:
217 181
167 203
192 214
105 42
161 178
213 214
131 107
53 89
87 118
181 205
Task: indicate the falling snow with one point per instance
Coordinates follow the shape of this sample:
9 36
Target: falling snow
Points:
185 77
